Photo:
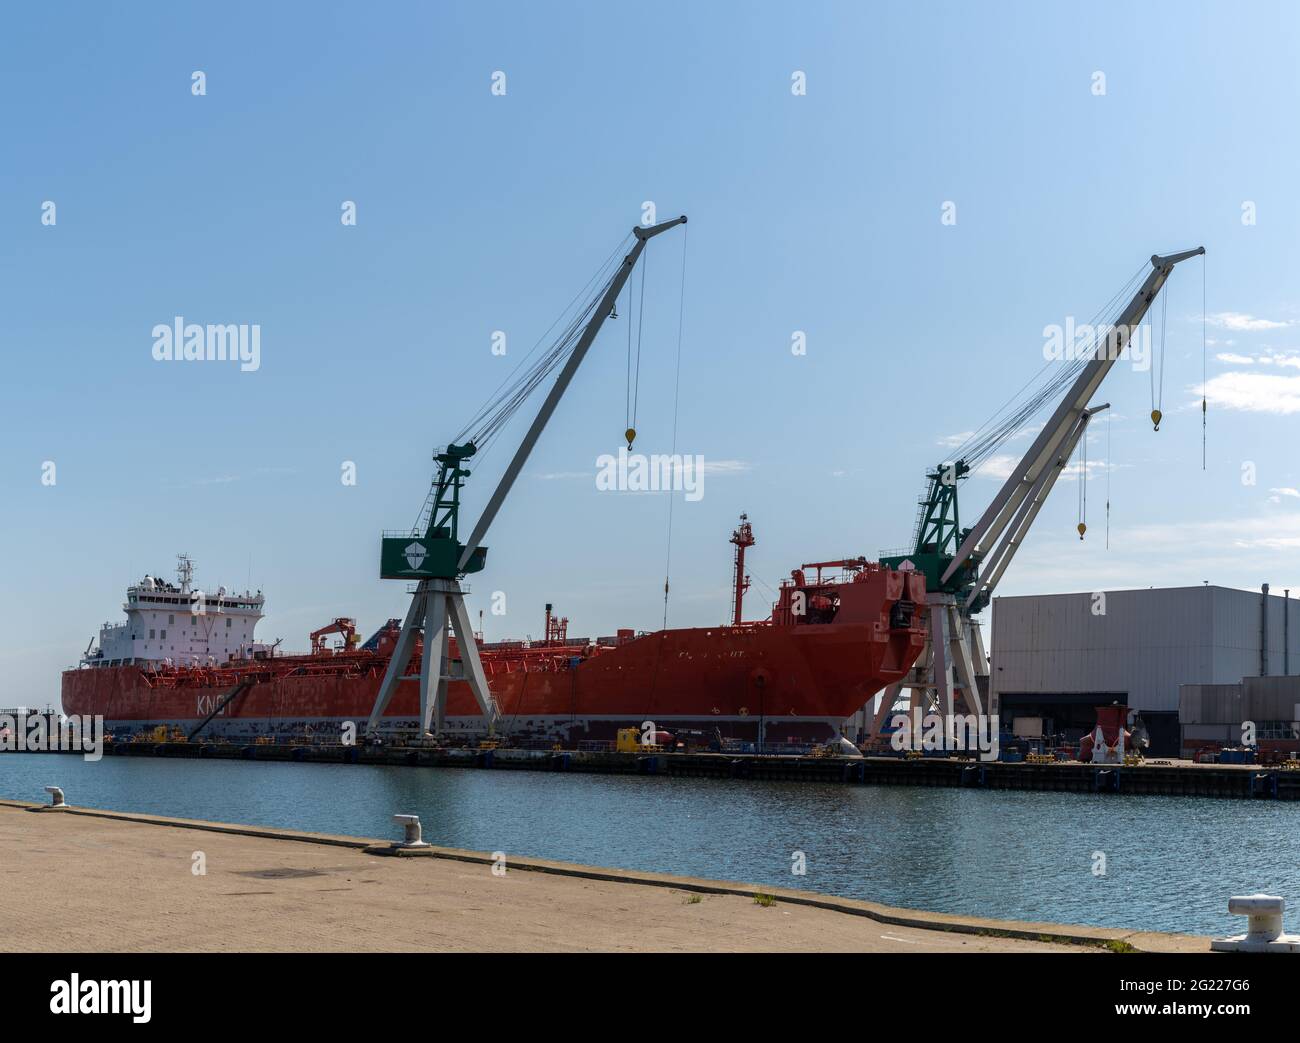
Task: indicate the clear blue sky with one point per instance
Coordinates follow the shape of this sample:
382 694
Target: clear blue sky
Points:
476 212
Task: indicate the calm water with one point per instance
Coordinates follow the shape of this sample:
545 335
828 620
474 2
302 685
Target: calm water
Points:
1171 862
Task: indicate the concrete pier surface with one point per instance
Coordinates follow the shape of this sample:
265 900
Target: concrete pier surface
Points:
98 881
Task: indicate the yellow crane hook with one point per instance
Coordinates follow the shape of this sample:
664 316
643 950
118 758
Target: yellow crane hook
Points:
1082 529
630 435
1156 416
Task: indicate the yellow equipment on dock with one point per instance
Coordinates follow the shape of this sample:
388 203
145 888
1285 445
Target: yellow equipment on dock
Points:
629 741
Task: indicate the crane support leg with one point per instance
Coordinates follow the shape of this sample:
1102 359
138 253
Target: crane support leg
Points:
434 662
474 674
887 702
436 606
401 656
939 646
959 636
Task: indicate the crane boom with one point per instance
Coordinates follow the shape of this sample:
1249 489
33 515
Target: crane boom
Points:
1066 421
996 563
643 235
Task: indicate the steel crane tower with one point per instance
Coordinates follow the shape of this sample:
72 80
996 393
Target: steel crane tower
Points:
438 561
963 566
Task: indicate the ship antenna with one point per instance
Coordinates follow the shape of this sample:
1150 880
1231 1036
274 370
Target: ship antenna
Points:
184 572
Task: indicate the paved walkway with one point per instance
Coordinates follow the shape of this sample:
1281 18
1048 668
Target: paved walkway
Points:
120 884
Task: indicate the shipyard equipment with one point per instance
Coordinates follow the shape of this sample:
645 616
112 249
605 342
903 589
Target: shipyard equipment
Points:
962 567
341 625
433 554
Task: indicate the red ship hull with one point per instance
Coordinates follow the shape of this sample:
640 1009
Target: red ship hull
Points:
794 677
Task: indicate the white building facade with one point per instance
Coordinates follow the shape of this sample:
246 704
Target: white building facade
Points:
1061 655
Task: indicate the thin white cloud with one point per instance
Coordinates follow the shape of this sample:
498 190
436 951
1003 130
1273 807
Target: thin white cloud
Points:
953 441
1236 360
998 467
721 467
554 476
1286 491
1253 393
1240 321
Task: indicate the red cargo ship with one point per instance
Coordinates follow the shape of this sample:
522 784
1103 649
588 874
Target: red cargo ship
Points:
833 639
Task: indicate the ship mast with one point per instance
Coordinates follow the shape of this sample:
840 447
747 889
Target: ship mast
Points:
743 538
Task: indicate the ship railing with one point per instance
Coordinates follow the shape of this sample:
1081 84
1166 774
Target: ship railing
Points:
412 588
595 745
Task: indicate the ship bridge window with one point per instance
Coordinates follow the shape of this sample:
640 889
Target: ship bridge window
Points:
171 620
151 635
227 622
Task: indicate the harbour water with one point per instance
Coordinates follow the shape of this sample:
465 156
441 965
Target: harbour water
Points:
1170 863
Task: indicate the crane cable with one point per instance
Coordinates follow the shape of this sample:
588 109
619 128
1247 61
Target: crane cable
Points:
1048 384
1110 417
1203 362
1158 382
677 383
515 389
1083 479
633 393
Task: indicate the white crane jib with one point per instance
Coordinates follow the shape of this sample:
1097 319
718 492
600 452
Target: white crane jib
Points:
994 539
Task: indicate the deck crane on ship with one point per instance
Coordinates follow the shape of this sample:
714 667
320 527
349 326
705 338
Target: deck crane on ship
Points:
962 567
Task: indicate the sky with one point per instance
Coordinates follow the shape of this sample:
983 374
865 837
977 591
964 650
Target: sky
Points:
913 191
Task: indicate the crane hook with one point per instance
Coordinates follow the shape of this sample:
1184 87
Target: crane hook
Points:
1082 529
1156 416
630 435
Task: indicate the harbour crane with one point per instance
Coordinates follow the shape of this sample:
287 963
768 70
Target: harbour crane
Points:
431 552
962 567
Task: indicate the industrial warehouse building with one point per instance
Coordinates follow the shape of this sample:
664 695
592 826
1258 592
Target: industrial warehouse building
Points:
1058 656
1211 715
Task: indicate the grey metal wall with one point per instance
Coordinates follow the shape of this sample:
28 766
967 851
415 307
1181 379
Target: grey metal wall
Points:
1147 643
1254 699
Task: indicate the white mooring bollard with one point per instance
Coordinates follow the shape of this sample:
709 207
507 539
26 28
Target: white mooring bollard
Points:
56 797
411 823
1264 928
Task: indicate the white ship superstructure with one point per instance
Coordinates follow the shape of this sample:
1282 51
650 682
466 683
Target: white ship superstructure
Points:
178 624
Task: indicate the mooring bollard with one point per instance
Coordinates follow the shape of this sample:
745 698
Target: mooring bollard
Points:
56 797
411 823
1264 927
